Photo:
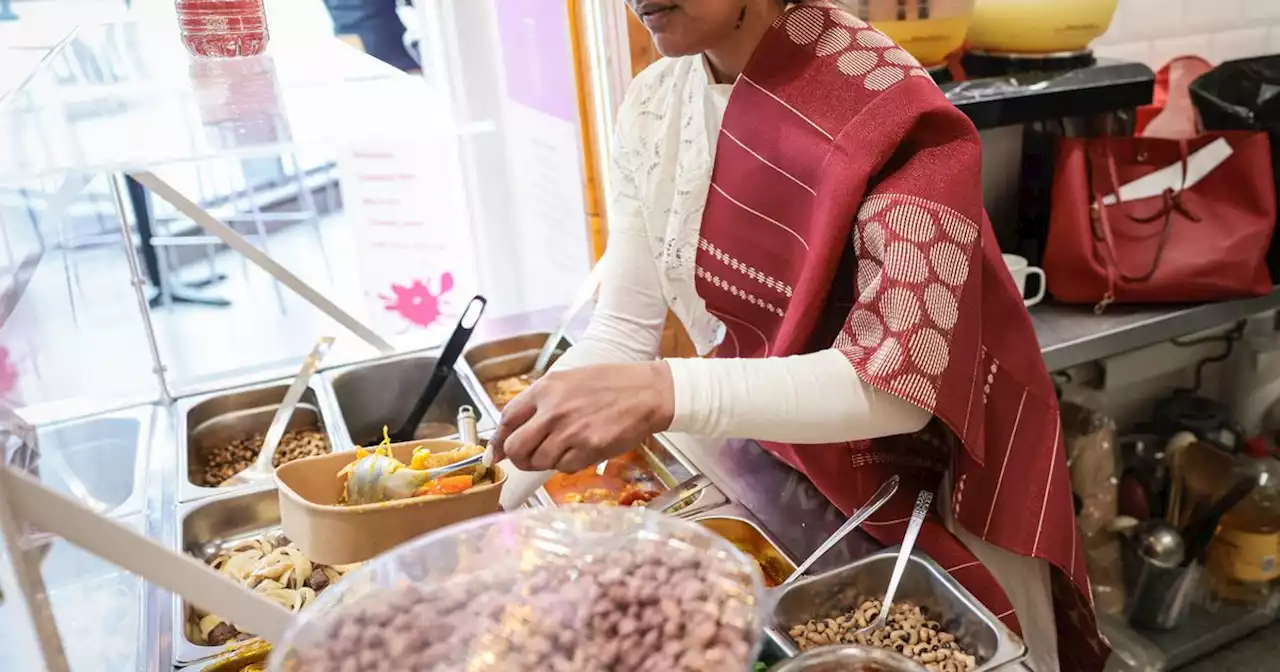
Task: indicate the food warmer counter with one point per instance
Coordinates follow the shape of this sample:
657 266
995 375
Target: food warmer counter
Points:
152 467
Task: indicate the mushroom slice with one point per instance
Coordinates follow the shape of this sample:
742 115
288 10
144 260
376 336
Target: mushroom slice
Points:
301 565
207 624
287 598
241 565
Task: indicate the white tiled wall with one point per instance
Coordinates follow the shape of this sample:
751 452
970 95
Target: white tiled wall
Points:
1155 31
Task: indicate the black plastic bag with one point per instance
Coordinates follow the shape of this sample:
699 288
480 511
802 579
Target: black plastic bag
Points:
1245 96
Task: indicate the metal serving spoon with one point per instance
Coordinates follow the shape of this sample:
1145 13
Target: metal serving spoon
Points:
859 517
908 542
378 478
263 467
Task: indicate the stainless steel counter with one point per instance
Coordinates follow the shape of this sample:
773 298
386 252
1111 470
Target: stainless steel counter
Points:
782 501
1072 335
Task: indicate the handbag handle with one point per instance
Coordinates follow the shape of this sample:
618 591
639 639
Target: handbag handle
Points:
1171 201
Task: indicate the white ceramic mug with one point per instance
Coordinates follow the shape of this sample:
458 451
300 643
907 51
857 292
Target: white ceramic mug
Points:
1020 268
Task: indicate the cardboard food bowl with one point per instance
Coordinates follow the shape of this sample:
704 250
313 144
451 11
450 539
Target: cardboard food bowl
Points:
333 534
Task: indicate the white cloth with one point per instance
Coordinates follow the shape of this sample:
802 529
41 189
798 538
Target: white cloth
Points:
663 158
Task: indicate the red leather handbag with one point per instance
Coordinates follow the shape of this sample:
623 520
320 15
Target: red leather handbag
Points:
1193 236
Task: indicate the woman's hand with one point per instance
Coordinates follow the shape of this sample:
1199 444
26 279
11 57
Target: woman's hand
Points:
570 420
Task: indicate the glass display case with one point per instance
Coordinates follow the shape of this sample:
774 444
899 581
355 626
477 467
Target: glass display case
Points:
176 236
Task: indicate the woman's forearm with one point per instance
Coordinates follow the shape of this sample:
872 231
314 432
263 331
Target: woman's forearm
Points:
814 398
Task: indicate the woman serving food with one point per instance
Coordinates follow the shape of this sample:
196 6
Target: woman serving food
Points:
795 188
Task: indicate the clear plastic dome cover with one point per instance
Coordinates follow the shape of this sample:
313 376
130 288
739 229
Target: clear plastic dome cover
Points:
576 588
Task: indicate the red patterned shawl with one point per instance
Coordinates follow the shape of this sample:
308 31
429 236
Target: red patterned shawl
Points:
846 208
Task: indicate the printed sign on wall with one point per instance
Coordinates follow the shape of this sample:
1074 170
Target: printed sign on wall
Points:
405 203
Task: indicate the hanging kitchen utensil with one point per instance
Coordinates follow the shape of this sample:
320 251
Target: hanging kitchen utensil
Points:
879 499
443 370
923 501
264 466
585 292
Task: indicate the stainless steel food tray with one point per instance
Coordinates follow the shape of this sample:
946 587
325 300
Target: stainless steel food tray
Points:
924 583
228 415
101 461
734 523
503 358
365 397
201 529
672 469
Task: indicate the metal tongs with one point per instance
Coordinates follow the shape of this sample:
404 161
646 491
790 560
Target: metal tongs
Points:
678 494
381 478
263 468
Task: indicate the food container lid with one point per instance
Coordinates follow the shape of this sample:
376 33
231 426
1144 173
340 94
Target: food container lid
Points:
849 658
570 588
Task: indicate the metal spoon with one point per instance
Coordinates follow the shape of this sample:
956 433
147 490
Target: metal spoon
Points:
860 516
379 478
908 542
263 468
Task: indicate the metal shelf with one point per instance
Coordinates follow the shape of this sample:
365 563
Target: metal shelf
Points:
1071 335
1004 100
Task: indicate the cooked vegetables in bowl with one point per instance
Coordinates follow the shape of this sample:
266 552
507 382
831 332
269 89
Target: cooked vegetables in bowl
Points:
377 476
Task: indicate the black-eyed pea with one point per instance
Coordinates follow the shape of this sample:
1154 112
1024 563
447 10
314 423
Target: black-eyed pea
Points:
928 657
949 666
